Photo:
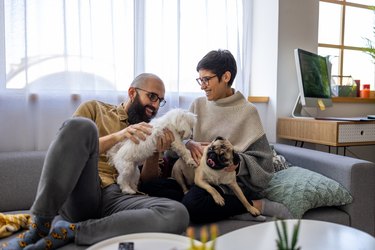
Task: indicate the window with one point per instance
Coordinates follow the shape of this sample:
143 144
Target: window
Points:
343 27
102 45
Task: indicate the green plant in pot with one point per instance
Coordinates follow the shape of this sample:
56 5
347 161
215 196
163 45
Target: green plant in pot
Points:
283 242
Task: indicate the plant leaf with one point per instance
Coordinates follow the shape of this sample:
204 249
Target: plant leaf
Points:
295 234
280 242
285 231
370 49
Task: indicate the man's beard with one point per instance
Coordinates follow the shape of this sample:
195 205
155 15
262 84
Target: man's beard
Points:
137 112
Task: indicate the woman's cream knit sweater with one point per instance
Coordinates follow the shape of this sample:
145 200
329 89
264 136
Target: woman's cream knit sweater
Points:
237 120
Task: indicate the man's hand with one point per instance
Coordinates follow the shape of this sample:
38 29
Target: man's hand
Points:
151 168
137 132
164 142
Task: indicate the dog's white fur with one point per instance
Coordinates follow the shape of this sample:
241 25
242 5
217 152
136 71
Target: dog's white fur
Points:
203 176
125 156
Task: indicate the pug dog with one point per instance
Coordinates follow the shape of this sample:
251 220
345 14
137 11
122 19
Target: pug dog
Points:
218 155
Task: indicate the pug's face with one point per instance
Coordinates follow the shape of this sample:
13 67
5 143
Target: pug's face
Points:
220 154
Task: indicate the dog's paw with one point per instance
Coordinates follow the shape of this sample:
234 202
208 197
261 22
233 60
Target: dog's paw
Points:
219 199
254 211
141 193
128 190
192 164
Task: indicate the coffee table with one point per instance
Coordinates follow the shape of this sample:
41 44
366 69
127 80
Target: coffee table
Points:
313 235
146 241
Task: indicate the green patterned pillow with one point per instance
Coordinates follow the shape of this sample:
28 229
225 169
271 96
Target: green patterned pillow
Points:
300 189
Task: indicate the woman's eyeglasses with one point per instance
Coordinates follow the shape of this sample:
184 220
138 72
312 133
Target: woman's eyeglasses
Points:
204 80
154 97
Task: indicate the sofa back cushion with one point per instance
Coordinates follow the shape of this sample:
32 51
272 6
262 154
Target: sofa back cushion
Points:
19 177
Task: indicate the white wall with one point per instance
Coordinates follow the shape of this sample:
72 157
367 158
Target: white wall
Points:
264 60
298 28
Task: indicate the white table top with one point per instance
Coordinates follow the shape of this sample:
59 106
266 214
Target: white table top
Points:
146 241
313 235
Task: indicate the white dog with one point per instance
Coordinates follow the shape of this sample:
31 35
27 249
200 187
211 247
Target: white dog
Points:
126 155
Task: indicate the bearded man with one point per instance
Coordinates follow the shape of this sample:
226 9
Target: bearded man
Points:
78 184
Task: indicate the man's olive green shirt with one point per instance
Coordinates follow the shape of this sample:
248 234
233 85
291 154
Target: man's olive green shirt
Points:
109 119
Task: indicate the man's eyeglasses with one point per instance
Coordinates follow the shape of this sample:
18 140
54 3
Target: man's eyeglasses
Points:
204 80
154 97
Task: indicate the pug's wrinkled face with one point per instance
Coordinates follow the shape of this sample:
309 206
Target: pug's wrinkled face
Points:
220 154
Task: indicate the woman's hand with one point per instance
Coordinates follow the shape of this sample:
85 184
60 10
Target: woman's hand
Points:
196 150
231 168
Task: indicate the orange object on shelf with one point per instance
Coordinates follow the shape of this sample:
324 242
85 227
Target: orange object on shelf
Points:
365 92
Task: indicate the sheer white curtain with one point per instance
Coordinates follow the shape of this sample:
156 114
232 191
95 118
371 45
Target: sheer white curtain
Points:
93 45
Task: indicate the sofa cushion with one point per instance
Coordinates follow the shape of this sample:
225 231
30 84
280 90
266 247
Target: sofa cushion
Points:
300 189
20 173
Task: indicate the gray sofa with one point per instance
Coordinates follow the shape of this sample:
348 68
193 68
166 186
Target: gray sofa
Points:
20 172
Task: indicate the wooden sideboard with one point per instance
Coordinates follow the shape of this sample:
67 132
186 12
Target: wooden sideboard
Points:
327 132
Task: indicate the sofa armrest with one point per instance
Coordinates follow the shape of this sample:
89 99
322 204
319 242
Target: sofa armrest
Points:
19 178
356 175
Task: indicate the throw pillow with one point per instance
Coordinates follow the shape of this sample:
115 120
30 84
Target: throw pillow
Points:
300 189
279 162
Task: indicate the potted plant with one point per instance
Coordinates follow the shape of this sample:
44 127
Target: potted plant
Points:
283 242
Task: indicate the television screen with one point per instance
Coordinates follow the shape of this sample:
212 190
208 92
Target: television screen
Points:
314 79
